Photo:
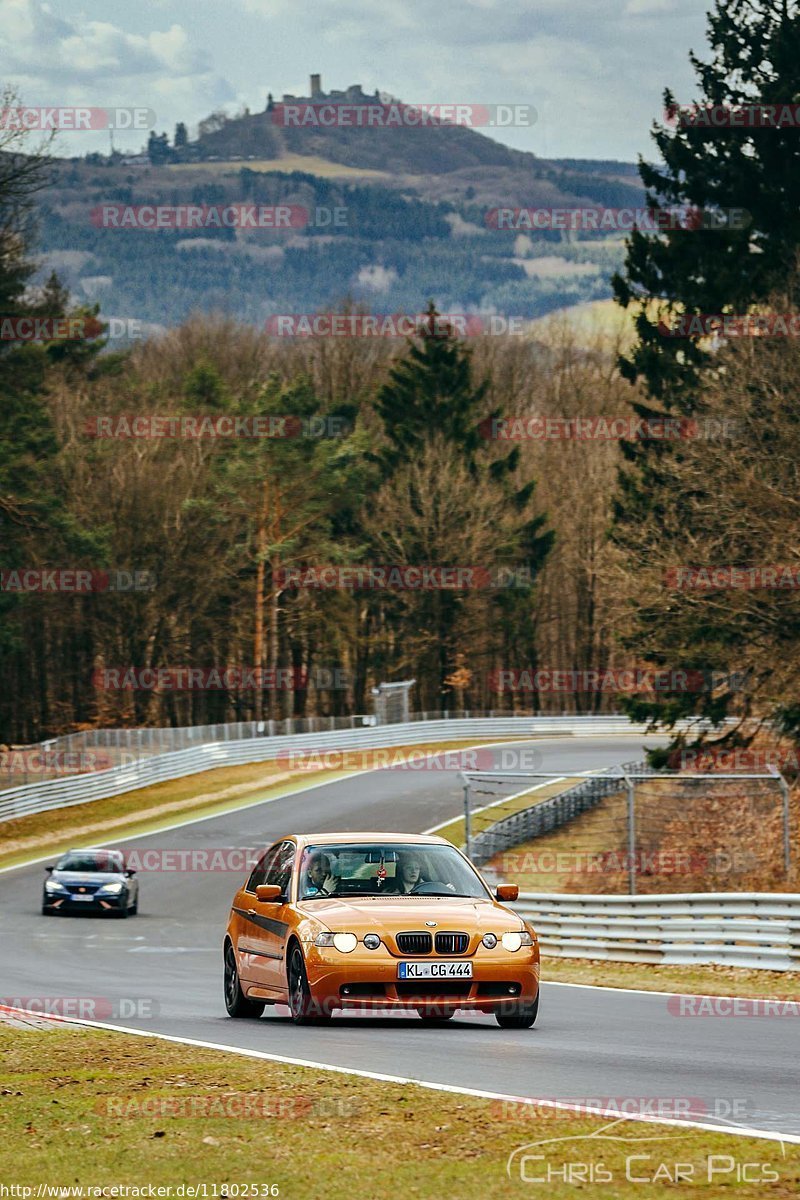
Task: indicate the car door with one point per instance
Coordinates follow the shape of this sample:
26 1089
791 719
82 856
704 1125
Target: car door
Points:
251 947
263 938
277 916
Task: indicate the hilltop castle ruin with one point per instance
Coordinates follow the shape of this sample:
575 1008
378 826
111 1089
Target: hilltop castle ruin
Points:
352 95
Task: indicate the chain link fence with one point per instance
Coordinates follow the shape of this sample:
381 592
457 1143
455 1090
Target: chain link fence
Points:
631 829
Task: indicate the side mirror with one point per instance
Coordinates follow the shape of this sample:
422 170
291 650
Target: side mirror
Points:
49 869
130 871
507 892
269 893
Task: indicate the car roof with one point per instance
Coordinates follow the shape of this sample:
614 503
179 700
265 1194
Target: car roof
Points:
94 850
327 839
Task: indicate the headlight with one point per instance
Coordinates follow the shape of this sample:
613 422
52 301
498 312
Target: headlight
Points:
489 940
344 942
372 941
52 885
514 941
110 889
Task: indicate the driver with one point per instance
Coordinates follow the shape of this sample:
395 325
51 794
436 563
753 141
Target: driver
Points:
320 881
408 873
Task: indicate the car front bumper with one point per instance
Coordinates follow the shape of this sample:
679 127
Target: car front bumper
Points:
70 903
369 978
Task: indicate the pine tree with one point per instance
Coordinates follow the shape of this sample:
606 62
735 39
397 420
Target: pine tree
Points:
755 61
431 395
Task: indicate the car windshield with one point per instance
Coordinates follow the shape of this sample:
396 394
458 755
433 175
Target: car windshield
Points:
386 869
89 862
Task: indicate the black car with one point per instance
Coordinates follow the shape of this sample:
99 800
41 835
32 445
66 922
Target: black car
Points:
91 881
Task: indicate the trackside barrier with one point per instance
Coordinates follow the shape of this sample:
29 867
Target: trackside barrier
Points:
158 768
545 815
736 929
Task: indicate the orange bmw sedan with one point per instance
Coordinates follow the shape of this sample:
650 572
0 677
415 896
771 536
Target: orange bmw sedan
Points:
377 920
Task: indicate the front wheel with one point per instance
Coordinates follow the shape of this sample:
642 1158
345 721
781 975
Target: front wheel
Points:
303 1007
517 1016
236 1003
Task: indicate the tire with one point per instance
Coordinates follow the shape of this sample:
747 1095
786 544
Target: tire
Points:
302 1006
236 1003
134 909
122 913
517 1016
47 912
435 1017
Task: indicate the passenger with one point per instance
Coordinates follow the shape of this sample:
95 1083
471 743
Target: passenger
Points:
408 873
319 880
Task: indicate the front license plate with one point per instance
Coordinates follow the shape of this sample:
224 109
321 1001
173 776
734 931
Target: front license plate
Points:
434 970
82 897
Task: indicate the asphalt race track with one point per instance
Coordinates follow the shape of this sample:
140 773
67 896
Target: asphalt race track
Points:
588 1043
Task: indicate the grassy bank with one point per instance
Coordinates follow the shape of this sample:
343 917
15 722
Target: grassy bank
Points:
89 1107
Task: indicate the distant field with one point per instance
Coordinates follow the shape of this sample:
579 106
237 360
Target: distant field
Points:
310 163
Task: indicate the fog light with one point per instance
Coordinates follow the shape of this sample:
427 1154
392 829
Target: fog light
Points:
372 941
489 940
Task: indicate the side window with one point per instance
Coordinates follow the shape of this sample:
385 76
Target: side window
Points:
263 865
279 870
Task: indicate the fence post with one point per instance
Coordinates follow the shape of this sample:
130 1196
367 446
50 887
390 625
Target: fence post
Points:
631 786
787 853
467 823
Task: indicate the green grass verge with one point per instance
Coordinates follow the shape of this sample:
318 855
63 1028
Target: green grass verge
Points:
710 980
321 1133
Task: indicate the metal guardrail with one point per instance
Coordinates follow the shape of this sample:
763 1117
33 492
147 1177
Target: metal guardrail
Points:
546 815
158 768
736 929
91 750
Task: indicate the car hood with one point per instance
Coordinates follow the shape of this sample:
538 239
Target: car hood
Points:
386 915
98 877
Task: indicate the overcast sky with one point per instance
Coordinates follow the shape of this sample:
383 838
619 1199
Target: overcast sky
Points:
593 69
